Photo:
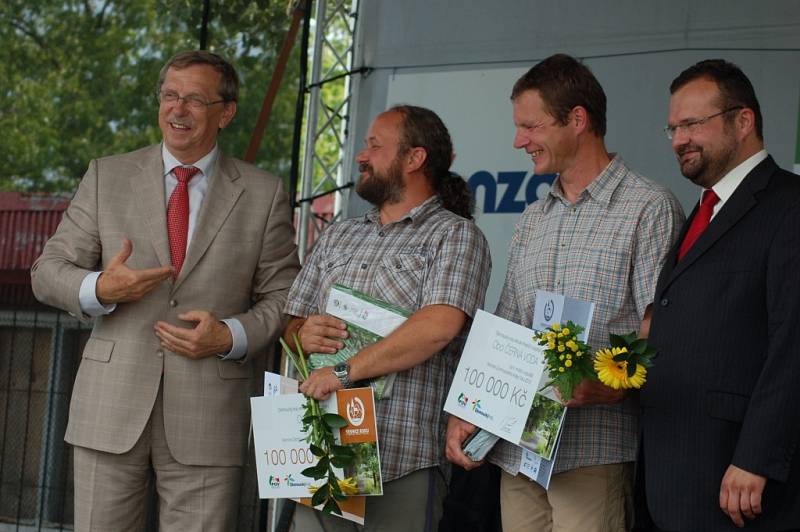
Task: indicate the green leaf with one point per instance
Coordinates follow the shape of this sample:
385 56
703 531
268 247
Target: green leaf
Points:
331 507
617 340
316 472
334 421
650 352
631 336
316 451
638 345
320 495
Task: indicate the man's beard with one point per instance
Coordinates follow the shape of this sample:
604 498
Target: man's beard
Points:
707 168
380 189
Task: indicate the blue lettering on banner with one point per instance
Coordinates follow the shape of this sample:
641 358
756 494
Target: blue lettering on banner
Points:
513 182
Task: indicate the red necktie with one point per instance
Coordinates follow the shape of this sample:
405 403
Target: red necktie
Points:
178 215
699 222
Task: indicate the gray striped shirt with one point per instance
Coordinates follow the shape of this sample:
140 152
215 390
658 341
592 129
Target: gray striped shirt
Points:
430 257
607 248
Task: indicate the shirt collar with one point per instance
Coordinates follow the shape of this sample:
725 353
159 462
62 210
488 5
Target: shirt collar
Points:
205 164
601 189
415 215
725 187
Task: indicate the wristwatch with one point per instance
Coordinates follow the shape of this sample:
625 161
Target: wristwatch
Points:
342 372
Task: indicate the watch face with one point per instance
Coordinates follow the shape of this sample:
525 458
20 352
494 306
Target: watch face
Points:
341 367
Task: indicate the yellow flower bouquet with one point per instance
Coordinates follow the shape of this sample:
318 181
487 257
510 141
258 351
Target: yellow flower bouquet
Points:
568 359
623 365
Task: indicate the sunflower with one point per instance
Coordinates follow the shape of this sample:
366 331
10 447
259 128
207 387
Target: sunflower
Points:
639 377
615 374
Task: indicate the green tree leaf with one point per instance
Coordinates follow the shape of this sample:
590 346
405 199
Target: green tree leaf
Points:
334 421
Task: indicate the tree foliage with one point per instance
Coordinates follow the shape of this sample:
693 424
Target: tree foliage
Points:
78 77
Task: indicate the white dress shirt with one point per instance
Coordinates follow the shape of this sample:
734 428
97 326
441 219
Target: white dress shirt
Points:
726 186
198 186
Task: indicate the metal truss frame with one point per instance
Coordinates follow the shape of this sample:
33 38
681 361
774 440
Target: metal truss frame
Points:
332 88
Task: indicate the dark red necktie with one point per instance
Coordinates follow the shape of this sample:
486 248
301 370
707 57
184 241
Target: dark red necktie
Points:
178 215
699 222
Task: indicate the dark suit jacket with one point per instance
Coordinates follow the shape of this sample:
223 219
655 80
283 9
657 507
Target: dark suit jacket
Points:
725 387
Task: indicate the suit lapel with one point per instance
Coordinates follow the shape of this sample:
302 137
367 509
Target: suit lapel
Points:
672 256
223 192
739 204
150 196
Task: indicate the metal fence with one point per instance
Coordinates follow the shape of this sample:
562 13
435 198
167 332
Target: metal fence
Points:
40 350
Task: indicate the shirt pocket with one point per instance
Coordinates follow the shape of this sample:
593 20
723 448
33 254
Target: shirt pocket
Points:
399 278
331 271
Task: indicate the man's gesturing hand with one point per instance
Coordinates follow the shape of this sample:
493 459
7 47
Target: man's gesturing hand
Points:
208 337
740 493
119 284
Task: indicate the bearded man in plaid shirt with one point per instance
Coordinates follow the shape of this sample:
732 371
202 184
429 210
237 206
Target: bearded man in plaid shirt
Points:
419 249
601 235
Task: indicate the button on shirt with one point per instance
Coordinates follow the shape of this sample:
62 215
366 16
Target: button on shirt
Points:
429 257
607 248
198 186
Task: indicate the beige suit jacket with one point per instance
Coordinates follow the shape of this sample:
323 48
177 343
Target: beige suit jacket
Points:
240 264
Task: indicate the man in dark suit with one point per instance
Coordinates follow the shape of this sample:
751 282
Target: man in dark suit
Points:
722 403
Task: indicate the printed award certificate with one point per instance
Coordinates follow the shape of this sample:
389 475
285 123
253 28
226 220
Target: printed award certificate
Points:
497 377
368 320
543 427
282 452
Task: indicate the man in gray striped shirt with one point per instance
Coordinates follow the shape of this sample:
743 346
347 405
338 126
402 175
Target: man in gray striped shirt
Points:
419 249
600 235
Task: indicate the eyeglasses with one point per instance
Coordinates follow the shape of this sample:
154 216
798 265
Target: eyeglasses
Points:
693 125
192 100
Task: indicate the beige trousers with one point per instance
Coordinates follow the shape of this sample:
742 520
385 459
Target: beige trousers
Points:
588 499
111 489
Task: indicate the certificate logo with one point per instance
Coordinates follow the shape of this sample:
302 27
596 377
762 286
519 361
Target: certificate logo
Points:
292 483
549 308
476 407
462 400
355 411
274 482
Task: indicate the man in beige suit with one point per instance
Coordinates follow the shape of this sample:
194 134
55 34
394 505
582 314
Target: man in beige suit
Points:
182 312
